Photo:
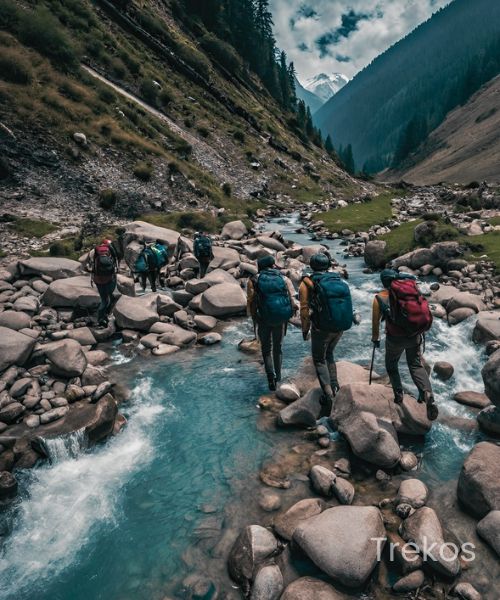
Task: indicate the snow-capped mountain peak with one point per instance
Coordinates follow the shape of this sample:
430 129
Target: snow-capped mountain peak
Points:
325 86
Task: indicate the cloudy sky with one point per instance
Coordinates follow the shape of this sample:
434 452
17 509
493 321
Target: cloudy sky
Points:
343 36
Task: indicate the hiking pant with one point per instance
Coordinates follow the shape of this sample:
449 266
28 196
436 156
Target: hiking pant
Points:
204 262
323 344
271 339
394 348
106 293
151 276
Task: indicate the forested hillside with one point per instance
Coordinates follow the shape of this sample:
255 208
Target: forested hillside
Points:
393 104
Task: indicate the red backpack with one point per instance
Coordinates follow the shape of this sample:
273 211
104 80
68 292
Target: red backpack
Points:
104 260
409 313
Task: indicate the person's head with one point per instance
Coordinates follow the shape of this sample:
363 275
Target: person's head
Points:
106 242
320 262
197 234
159 242
387 277
120 231
266 262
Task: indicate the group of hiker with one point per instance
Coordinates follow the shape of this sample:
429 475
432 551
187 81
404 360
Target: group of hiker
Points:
326 312
324 304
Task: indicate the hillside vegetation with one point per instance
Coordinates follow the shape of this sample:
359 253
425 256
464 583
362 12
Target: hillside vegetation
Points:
389 108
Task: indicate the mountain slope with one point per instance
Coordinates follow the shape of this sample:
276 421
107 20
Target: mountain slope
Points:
391 106
186 127
312 101
325 86
465 147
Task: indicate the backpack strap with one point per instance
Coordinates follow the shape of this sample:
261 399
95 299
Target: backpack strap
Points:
385 308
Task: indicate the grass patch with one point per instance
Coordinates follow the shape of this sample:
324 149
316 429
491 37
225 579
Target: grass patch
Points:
360 217
32 227
487 244
14 67
494 221
143 171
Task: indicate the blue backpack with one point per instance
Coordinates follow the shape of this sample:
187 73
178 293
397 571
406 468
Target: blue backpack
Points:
331 302
274 305
203 247
161 254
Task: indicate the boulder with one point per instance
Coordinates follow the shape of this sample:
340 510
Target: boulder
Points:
444 294
224 258
308 588
177 336
479 482
125 285
209 339
489 420
474 399
165 350
54 267
103 421
271 243
458 315
413 492
254 545
83 335
465 300
308 251
268 584
219 276
410 582
489 529
342 542
197 286
8 485
444 370
491 377
288 392
53 415
66 358
16 320
204 322
303 412
424 529
463 589
487 327
166 305
145 232
322 480
343 490
286 523
15 348
136 313
72 292
223 300
375 254
11 413
234 230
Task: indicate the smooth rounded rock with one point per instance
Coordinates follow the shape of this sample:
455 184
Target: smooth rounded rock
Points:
268 584
489 530
309 588
444 370
322 480
473 399
479 481
410 582
413 492
286 523
254 545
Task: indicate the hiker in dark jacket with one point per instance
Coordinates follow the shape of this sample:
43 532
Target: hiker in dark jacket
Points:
104 266
203 252
271 303
325 331
150 272
399 340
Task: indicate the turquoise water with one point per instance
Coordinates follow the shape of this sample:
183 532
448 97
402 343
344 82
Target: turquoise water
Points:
133 517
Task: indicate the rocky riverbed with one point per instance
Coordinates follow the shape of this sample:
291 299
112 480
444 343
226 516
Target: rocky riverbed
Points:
366 483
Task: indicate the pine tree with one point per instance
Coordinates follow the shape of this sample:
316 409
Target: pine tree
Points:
348 160
329 144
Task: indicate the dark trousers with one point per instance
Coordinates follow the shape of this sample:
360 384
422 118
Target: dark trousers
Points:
106 293
271 340
323 344
204 262
394 348
151 276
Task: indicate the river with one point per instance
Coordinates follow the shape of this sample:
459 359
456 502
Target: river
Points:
133 517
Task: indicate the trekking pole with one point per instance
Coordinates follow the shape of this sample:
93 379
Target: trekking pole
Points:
371 366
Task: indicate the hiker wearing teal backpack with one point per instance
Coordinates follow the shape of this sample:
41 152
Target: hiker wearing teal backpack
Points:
407 317
202 249
326 310
271 303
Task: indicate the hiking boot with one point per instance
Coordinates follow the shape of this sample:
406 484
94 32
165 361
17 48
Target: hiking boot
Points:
398 396
271 380
326 402
335 388
278 376
432 409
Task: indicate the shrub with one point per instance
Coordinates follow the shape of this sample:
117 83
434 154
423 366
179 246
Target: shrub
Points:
42 31
165 97
239 136
134 66
5 170
58 249
95 47
107 199
203 131
72 91
226 188
173 167
143 171
106 95
188 122
118 68
149 91
195 59
222 52
14 67
10 15
183 148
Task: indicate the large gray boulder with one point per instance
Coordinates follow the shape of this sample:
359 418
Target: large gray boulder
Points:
413 492
72 292
223 300
224 258
375 256
15 348
235 230
14 319
286 523
309 588
57 268
465 300
268 583
479 482
489 529
174 335
66 358
487 327
137 313
145 232
491 378
342 542
271 243
309 251
253 546
304 412
423 528
444 294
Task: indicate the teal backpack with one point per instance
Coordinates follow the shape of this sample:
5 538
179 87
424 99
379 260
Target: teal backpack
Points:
274 305
203 247
331 302
161 254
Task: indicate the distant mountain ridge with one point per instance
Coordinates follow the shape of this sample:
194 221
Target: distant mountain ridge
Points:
325 86
312 101
390 107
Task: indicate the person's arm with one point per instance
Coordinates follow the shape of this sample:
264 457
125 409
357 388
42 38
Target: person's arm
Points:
305 315
292 293
376 318
251 299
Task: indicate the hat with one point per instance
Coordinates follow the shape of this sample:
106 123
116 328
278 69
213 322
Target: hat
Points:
320 262
266 262
387 277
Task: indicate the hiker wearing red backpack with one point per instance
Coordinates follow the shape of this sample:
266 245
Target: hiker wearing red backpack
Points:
104 269
407 317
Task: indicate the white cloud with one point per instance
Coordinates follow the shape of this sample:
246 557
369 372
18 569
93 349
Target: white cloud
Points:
389 21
